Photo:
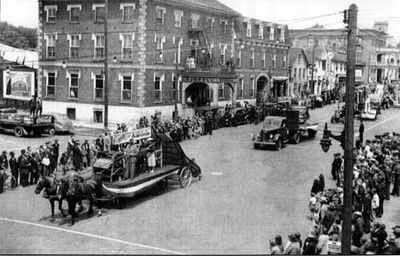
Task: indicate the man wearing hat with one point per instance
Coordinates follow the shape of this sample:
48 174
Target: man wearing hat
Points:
336 165
131 154
24 165
14 169
3 160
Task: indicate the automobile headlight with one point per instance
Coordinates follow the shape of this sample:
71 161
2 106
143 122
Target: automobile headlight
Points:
271 136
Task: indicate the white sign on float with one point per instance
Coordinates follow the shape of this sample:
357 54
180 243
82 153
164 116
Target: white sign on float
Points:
18 85
334 247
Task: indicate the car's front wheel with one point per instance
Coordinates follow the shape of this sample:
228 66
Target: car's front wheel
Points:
278 144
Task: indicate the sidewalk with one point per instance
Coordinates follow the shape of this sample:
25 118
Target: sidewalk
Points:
391 213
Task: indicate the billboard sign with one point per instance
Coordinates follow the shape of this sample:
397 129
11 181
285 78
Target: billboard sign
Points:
18 85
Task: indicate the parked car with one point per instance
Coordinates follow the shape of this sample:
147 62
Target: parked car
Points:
303 113
240 116
62 123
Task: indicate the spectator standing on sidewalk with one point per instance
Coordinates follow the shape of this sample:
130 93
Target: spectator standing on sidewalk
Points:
361 131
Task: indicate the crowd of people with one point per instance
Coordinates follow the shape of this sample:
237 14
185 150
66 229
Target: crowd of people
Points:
25 169
376 167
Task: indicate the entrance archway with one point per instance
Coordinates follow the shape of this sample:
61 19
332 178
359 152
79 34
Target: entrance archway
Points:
261 84
198 95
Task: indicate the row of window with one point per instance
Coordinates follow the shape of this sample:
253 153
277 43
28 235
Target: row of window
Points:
74 13
240 89
261 32
127 84
262 61
299 73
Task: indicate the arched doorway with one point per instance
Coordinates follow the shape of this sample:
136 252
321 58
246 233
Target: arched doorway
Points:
261 83
198 95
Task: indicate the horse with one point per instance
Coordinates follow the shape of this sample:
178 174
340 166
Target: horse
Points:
52 191
75 193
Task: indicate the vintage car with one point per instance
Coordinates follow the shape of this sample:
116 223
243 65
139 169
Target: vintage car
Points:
235 117
279 130
172 165
303 113
369 114
62 123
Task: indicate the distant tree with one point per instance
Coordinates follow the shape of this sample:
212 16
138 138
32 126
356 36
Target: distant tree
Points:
18 37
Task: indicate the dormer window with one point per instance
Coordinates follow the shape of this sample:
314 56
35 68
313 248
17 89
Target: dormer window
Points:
248 29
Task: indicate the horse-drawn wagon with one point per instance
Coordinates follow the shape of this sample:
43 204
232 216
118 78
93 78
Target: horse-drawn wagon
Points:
171 164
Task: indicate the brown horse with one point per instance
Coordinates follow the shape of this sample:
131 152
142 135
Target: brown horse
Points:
53 192
76 191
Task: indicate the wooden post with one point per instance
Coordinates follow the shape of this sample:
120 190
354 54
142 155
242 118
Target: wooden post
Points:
349 129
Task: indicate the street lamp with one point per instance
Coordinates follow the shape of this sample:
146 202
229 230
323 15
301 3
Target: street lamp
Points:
326 142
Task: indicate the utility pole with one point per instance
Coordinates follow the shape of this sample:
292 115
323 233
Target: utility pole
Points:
105 66
312 67
349 128
176 91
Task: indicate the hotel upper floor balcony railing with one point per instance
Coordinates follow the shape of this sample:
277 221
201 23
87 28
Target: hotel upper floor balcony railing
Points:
193 66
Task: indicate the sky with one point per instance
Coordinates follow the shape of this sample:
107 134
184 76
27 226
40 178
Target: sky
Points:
294 13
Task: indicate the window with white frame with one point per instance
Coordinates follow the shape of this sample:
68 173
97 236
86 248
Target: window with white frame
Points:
51 13
210 23
74 45
224 24
221 91
248 29
51 45
74 13
99 87
51 83
159 40
271 33
195 21
178 18
73 84
126 87
158 80
282 35
252 59
128 12
241 88
261 31
99 12
127 46
175 87
274 61
252 88
222 53
263 60
194 46
177 55
239 58
160 14
99 41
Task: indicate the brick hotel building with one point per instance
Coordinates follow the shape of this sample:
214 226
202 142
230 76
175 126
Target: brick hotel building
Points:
210 52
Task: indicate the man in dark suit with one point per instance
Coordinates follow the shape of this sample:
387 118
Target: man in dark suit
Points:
14 169
56 153
24 165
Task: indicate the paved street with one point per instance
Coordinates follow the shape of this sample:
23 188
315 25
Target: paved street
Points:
246 196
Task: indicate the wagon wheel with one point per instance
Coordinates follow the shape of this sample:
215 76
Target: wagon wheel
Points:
185 177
